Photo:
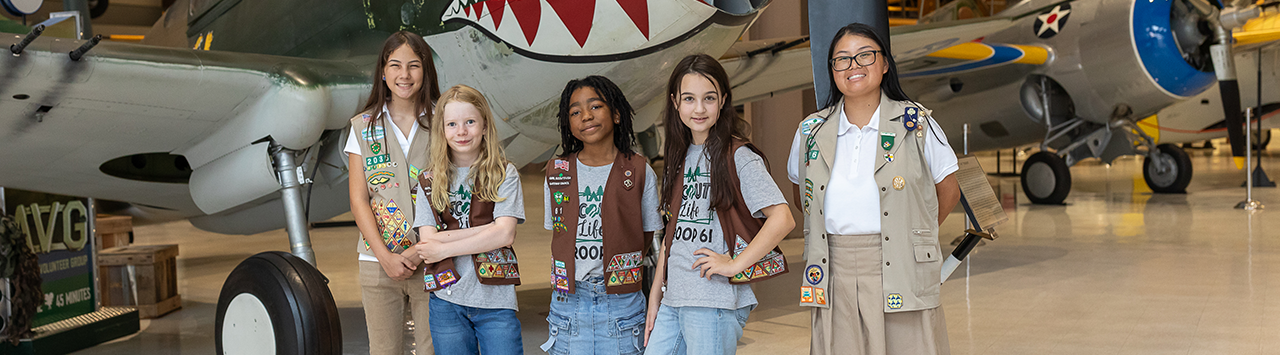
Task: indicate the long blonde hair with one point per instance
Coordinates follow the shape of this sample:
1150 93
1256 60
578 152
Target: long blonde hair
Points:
489 169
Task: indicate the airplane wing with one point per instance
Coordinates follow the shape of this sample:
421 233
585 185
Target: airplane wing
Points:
173 129
758 69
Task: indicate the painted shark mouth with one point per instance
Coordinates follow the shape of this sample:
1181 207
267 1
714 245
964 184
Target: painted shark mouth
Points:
582 27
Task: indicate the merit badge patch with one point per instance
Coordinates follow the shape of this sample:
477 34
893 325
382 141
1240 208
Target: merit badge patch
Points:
910 117
806 294
428 282
376 148
812 154
894 301
559 197
366 117
562 164
446 278
886 140
813 274
819 295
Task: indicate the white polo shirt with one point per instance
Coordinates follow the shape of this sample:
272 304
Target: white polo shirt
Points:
353 147
853 203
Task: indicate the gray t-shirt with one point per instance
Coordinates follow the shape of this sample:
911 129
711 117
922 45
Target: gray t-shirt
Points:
468 291
698 227
588 257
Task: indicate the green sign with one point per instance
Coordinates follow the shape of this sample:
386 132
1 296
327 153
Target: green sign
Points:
57 230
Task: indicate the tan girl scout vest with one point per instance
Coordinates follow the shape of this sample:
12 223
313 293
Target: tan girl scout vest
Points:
622 222
908 202
390 179
494 267
737 224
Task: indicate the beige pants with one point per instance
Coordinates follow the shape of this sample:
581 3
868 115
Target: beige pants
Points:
384 301
856 322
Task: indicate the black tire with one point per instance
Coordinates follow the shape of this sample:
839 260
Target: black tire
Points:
97 8
1173 181
286 292
1049 179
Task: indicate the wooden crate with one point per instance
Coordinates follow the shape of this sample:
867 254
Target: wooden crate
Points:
154 272
113 231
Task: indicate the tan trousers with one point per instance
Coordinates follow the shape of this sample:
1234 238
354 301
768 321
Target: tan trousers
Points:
384 301
856 323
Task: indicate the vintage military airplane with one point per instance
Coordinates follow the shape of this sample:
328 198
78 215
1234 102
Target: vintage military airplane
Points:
230 106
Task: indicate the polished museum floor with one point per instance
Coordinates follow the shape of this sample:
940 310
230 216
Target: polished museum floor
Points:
1114 270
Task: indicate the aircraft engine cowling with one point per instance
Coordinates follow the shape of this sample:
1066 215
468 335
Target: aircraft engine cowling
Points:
1143 59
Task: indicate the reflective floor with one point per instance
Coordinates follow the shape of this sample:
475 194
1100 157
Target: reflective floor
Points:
1114 270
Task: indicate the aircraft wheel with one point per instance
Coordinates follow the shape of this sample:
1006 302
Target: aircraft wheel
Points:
1177 174
276 303
1046 179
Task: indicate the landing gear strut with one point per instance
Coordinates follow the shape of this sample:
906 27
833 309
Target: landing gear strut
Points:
277 302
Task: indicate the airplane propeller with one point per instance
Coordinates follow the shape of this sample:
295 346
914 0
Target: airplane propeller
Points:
1222 21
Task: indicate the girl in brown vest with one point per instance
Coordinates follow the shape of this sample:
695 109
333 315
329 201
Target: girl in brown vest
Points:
717 189
468 208
386 149
601 205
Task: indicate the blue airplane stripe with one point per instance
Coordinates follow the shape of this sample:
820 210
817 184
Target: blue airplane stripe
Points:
1001 55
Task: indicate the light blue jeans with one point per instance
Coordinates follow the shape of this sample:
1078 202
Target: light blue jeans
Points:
591 321
697 330
462 330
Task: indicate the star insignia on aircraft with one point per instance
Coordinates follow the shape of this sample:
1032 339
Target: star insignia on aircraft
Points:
1049 23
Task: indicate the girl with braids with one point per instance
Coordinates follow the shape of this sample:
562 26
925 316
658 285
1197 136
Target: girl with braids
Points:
874 265
468 207
386 150
591 194
726 218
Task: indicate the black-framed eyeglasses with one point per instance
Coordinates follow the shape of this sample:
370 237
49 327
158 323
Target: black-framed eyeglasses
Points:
863 59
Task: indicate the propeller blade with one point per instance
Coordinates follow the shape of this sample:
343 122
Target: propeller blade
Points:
1224 66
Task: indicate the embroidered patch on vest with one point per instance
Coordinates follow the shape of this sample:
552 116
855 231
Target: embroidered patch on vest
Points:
562 164
886 140
770 264
813 274
374 134
806 294
812 150
395 226
819 296
562 283
380 177
558 180
428 282
446 278
376 147
894 301
414 172
909 118
624 261
807 126
366 117
559 197
557 224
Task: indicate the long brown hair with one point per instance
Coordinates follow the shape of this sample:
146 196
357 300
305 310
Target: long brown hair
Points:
727 128
489 169
379 95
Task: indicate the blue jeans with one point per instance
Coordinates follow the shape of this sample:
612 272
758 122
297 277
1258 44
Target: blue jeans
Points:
697 330
591 321
467 330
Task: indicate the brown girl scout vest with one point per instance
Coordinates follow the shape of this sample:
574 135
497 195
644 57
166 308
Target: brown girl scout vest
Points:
912 268
494 267
622 222
390 179
737 224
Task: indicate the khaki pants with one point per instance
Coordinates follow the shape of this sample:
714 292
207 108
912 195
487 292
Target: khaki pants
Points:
384 301
856 322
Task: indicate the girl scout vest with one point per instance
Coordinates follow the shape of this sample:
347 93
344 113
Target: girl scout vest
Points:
391 180
622 225
494 267
737 224
908 208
